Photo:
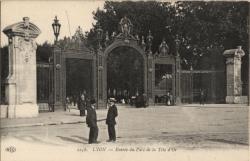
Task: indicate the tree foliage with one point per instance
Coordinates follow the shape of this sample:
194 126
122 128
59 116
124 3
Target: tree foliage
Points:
125 70
206 29
43 52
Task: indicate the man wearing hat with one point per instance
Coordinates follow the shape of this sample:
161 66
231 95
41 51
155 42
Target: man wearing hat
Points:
91 121
110 121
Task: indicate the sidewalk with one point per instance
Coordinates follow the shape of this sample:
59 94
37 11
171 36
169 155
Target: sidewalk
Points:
72 117
216 105
51 118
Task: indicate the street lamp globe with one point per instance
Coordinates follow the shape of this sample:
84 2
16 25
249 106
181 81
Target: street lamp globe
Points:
56 28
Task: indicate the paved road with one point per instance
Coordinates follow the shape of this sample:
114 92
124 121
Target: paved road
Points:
181 128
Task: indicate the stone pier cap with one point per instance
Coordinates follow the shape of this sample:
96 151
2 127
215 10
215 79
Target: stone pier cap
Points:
234 52
23 29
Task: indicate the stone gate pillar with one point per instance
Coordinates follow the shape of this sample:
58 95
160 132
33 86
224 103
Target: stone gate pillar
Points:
21 88
178 80
59 82
101 92
213 85
150 79
233 74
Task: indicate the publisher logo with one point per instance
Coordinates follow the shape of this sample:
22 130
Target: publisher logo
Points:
10 149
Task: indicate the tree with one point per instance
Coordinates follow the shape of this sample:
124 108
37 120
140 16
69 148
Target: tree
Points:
43 52
211 27
125 70
206 29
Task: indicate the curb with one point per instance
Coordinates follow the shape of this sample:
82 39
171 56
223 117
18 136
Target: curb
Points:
44 124
22 125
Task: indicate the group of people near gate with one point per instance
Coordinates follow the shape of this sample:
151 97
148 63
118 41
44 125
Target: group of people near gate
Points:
84 103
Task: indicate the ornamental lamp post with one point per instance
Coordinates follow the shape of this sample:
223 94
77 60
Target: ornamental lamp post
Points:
57 100
100 65
178 71
149 38
99 35
56 28
191 82
177 45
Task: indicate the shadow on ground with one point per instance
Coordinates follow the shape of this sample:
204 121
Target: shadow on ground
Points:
68 139
227 141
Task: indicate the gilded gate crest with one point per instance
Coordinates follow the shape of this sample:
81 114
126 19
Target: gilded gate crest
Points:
126 30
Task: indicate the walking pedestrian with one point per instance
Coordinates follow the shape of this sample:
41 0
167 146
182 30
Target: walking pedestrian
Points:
91 121
110 121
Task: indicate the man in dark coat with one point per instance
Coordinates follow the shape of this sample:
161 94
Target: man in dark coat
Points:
202 96
144 100
110 121
91 121
82 104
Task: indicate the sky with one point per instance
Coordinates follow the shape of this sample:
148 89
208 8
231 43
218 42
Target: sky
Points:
42 14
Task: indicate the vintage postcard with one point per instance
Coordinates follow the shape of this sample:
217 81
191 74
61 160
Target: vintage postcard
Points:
124 80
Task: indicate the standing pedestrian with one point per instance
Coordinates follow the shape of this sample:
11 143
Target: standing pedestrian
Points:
91 121
82 104
202 97
171 99
168 99
144 100
67 103
74 99
110 121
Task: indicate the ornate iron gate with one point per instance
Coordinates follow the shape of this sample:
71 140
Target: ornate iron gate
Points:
74 49
211 81
43 86
186 87
122 39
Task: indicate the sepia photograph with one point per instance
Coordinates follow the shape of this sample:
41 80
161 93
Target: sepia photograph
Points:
100 80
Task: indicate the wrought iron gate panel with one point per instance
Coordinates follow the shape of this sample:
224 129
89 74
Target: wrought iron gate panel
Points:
51 84
220 86
78 77
186 87
42 83
202 81
44 86
211 81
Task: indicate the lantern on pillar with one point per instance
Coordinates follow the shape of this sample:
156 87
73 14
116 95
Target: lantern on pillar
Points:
143 43
99 34
56 28
137 38
106 39
177 44
149 38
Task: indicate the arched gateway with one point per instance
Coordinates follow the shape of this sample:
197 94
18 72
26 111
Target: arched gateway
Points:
126 39
155 67
121 40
